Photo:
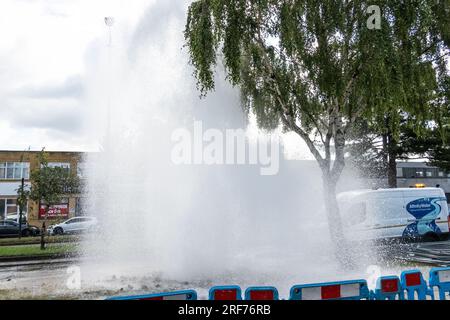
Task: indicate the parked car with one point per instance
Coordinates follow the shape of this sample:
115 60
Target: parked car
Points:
73 225
11 228
402 213
16 218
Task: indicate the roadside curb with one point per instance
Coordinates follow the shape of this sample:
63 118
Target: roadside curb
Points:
15 242
38 257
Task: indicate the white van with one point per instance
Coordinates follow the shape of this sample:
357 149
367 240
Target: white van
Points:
414 213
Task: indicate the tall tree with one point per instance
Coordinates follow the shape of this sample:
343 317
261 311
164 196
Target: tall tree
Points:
49 185
376 147
440 154
316 67
375 153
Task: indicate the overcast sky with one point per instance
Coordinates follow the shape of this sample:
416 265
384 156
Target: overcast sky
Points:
44 48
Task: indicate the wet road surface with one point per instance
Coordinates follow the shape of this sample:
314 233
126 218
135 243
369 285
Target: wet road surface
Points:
48 279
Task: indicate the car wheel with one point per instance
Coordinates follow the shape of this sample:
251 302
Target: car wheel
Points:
26 233
431 237
58 231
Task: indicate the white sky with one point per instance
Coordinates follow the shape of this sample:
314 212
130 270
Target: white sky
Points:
43 52
45 46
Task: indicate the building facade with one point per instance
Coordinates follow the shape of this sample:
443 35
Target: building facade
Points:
419 174
15 165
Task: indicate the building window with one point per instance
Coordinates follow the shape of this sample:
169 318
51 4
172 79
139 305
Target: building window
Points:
409 172
10 210
399 172
64 165
14 170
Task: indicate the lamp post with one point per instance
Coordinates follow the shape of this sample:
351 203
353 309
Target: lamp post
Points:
109 21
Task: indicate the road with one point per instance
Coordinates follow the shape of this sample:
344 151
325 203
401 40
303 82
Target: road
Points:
430 253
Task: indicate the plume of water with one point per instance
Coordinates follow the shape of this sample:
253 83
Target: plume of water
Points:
188 222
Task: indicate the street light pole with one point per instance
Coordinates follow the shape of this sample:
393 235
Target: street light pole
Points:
22 194
109 21
22 187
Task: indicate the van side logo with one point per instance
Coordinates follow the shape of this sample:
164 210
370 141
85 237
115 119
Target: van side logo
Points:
425 210
421 207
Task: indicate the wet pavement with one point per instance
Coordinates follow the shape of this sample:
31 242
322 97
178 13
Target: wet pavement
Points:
429 253
50 279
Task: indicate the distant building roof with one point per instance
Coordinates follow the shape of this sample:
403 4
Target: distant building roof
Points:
413 165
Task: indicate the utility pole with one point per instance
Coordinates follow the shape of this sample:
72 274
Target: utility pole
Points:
109 21
22 196
22 187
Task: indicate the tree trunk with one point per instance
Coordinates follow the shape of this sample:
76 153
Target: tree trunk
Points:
333 214
392 172
43 229
392 165
43 236
330 177
341 249
384 154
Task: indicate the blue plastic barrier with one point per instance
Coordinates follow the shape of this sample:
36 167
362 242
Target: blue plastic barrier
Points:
340 290
225 293
261 293
412 281
440 278
176 295
389 288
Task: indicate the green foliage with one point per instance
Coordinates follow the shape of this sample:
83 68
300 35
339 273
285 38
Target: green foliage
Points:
313 61
33 250
369 154
201 43
50 184
315 67
22 196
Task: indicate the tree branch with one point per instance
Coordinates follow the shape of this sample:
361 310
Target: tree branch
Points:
285 113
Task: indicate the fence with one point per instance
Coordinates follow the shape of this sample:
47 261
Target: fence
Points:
410 286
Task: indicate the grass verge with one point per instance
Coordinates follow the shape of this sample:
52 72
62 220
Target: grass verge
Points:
35 250
34 240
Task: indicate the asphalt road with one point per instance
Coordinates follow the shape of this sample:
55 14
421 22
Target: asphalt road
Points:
430 253
47 279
